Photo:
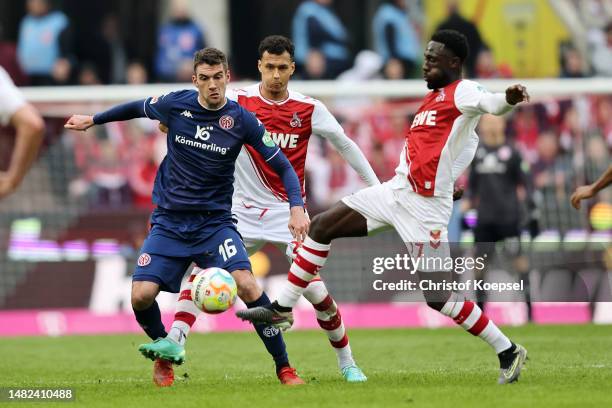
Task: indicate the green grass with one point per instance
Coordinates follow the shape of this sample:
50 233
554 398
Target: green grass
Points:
569 366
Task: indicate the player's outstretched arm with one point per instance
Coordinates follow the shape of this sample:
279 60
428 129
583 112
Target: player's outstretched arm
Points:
30 128
584 192
473 99
126 111
325 125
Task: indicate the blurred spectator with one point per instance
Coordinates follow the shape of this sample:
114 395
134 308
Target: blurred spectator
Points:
136 73
321 41
114 66
367 66
602 53
395 39
526 128
553 175
603 118
487 68
381 163
455 21
103 162
8 60
177 41
88 75
572 63
45 45
498 183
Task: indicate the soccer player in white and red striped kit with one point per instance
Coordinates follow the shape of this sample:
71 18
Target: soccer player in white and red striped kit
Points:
417 201
260 203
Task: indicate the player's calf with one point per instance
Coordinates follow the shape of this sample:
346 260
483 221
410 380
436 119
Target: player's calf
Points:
146 309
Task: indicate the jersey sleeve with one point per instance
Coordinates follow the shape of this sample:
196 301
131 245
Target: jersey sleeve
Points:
465 157
325 125
257 136
158 107
473 99
11 98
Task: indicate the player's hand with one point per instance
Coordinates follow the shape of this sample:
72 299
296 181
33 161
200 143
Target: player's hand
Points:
8 184
516 93
581 193
298 223
163 128
79 122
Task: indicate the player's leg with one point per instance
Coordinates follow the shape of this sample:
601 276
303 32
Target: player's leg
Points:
328 315
354 216
236 261
337 222
154 273
186 312
465 313
330 320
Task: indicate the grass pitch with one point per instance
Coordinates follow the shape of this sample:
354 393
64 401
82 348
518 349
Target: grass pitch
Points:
569 366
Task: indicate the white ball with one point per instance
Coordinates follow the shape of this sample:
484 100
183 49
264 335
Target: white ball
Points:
214 290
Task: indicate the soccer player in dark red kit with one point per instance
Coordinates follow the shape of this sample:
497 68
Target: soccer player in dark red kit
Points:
418 200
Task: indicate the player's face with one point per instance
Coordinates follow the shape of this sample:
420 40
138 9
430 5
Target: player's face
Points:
275 72
211 81
439 65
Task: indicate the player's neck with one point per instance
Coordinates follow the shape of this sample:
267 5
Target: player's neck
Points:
280 96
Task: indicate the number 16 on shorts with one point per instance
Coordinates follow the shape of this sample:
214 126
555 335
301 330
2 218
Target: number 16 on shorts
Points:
227 249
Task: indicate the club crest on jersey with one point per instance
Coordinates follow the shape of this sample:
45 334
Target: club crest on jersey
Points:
441 96
144 259
226 122
295 121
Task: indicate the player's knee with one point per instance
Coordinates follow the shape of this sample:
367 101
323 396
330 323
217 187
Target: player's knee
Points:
318 231
143 294
437 299
141 300
248 288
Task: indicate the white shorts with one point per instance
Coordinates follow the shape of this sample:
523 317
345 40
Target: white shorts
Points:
420 221
259 226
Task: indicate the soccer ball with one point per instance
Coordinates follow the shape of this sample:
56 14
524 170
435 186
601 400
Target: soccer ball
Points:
214 290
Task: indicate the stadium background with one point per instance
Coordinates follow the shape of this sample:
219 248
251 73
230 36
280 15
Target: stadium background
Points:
70 235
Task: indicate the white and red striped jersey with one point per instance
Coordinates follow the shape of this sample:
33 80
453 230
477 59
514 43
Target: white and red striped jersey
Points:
442 140
290 123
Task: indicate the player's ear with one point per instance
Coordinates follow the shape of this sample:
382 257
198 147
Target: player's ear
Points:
292 67
194 79
455 63
259 66
227 75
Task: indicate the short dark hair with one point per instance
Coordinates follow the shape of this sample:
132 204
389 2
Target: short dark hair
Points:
210 56
454 41
276 44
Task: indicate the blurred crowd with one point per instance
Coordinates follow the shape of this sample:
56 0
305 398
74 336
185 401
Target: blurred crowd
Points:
563 144
44 53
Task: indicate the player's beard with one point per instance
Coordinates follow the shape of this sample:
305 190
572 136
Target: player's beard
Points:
437 83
